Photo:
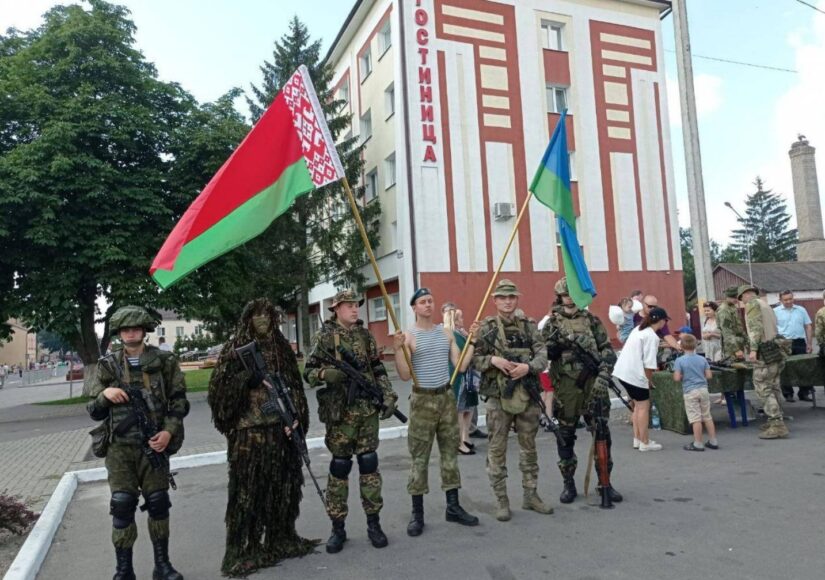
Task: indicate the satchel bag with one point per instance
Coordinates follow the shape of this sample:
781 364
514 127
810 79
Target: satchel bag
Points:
101 437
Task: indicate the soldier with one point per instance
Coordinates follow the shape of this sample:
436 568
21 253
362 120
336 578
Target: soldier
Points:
352 428
768 359
734 338
819 328
509 352
265 474
432 409
158 377
577 391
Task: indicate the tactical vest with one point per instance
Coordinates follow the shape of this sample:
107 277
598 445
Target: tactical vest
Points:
514 343
149 379
576 326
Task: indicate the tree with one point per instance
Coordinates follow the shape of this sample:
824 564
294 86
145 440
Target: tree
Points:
53 342
718 255
765 228
316 240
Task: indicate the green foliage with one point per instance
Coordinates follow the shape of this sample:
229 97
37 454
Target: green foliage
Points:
53 342
194 342
765 228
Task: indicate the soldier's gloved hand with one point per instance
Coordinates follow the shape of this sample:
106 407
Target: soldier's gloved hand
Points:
391 404
333 376
601 386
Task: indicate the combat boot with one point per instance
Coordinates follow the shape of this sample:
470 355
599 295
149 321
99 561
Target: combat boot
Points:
416 525
503 509
775 431
614 495
532 501
456 513
163 568
375 533
335 543
569 493
123 568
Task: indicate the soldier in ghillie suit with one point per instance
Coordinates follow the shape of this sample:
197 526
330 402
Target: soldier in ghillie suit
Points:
352 426
734 339
155 374
768 358
509 352
265 476
578 391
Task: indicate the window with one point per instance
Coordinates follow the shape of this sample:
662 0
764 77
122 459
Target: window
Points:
343 93
556 99
366 126
396 301
384 38
371 185
161 331
365 64
552 35
179 331
314 324
389 101
198 331
378 311
572 158
389 171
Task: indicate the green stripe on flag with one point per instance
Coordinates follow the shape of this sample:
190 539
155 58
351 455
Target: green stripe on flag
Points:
550 190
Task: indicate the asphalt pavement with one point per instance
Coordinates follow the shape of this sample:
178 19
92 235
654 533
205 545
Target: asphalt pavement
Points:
751 510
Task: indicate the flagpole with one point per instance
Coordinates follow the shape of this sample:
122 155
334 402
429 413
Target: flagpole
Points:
492 283
387 303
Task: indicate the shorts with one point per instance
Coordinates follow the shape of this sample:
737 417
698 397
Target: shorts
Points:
546 383
634 392
697 405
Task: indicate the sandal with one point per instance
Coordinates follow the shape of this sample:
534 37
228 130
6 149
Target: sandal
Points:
692 447
469 445
469 452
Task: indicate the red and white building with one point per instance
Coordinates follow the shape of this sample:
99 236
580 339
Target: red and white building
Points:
456 100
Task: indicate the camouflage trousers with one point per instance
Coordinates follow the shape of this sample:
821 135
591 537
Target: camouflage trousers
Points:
433 417
130 471
767 387
354 435
499 423
571 403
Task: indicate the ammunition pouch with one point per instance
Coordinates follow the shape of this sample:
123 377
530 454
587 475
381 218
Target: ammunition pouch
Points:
769 352
331 404
101 437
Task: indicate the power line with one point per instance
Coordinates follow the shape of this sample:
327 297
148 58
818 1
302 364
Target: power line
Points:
811 6
739 62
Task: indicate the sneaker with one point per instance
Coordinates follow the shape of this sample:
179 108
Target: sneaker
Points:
710 445
650 446
636 443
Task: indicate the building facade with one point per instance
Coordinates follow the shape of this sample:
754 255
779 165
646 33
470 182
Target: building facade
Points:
173 328
456 101
22 348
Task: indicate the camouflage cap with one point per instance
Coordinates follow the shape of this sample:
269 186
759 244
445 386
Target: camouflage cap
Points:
746 288
347 295
732 292
561 287
506 287
130 316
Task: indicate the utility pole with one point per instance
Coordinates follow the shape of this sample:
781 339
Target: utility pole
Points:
693 156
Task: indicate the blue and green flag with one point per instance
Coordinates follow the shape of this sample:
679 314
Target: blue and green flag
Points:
551 186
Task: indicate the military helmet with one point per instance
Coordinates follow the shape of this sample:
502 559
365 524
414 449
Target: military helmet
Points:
746 288
346 296
732 292
561 287
129 316
506 287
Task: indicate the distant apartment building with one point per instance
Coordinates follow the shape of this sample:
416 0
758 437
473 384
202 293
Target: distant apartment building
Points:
456 101
173 328
22 348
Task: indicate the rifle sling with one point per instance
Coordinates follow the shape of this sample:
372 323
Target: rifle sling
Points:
123 427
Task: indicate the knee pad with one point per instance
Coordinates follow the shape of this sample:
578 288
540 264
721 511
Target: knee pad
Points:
158 504
122 508
340 467
368 462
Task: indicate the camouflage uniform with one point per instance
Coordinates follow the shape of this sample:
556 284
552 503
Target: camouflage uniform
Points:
761 326
351 429
516 338
577 393
161 381
734 338
819 330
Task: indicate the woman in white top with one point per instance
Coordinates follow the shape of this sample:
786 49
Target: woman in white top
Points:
711 337
634 370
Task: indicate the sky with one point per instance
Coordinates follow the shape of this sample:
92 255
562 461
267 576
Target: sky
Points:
748 116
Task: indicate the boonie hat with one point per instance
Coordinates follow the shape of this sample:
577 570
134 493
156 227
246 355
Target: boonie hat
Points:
746 288
732 292
348 295
506 287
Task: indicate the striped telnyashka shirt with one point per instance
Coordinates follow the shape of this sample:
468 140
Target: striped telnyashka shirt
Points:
431 359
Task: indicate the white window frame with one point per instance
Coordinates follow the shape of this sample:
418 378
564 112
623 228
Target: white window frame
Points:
389 101
343 93
389 171
552 35
552 104
377 309
365 64
571 156
198 331
371 185
384 39
179 332
161 331
395 298
366 126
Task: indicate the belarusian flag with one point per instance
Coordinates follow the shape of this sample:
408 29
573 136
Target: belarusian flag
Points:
286 154
551 186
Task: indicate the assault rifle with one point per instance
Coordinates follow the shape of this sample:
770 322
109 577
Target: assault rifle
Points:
279 403
359 385
601 452
141 417
591 367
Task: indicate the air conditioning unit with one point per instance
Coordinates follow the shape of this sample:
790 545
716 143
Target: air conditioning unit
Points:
503 211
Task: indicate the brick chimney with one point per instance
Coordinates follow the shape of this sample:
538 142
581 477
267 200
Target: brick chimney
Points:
811 245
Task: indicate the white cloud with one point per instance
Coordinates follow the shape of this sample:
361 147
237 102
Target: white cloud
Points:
708 89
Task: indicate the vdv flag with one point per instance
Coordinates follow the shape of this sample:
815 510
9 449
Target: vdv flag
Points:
551 186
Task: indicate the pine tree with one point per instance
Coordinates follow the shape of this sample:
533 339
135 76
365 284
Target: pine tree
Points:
316 240
765 228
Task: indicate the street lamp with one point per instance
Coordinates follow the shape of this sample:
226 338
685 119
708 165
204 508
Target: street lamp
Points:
749 239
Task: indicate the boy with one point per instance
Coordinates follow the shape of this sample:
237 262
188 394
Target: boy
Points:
693 371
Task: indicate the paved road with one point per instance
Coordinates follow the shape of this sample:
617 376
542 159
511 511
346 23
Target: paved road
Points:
751 510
